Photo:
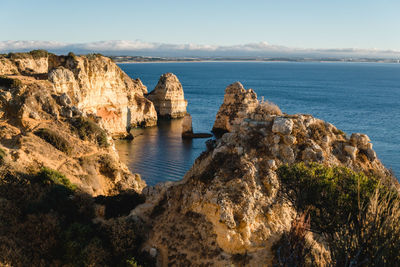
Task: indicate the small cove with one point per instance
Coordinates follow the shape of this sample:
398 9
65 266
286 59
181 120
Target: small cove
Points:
355 97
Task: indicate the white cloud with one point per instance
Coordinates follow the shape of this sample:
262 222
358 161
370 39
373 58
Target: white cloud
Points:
262 49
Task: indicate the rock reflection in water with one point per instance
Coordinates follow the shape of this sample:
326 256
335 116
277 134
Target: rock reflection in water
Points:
159 153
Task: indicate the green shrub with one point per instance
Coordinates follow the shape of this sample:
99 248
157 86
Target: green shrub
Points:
131 262
71 54
53 177
329 194
39 53
373 238
54 139
93 56
91 131
9 82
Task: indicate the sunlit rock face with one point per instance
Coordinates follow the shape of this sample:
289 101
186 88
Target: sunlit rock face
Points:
78 103
237 103
168 97
228 209
95 85
98 86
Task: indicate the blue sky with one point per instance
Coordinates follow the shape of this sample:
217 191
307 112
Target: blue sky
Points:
292 23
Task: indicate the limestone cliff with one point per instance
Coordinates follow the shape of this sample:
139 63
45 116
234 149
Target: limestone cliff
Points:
229 209
93 84
66 122
168 97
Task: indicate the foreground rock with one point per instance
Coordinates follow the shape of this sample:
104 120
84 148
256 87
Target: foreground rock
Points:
229 208
168 97
91 85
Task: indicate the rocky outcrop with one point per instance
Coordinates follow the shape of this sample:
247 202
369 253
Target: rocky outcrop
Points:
187 129
229 209
237 103
168 97
94 84
66 122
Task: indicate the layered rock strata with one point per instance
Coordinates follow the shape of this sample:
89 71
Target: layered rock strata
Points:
168 97
66 122
93 84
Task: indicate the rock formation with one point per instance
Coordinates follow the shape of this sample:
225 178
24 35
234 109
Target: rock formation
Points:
237 103
93 84
168 97
66 122
187 129
57 118
228 209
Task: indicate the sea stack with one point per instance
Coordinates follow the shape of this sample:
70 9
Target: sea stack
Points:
168 97
187 128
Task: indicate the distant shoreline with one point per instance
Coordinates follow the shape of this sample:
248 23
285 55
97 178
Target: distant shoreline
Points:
258 61
122 60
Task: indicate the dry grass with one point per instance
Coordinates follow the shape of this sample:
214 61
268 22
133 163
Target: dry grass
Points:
374 238
267 107
293 249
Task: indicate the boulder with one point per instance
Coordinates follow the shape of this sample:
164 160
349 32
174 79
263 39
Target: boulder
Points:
282 125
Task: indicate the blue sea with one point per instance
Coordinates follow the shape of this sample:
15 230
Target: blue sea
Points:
355 97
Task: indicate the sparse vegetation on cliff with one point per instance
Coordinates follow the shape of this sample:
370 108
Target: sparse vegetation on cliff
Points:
45 220
329 194
36 54
356 214
9 82
89 130
55 139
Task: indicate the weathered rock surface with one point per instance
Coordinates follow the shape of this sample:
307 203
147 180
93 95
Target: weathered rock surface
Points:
168 97
66 122
237 103
227 209
95 85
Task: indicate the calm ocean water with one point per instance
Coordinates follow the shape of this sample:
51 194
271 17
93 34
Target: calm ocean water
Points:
356 97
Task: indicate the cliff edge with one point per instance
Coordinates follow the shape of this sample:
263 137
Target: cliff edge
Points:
243 196
93 84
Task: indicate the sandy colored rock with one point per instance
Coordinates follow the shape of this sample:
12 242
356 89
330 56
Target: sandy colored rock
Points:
95 85
168 97
228 204
237 103
53 122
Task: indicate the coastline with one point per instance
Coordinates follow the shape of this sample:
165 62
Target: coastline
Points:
256 61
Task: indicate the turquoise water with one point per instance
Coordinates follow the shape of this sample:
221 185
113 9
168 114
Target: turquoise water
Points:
356 97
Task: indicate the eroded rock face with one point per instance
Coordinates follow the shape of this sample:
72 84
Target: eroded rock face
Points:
95 85
168 97
66 122
227 209
98 86
237 102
